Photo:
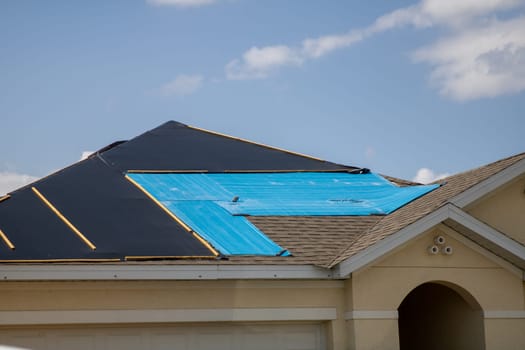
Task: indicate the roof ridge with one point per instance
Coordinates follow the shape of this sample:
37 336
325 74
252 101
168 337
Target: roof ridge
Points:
265 145
518 157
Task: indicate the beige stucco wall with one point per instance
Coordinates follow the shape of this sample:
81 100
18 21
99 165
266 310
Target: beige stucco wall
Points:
381 287
168 294
504 209
505 334
147 295
482 278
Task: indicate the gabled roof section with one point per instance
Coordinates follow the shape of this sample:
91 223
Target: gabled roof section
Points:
423 207
175 146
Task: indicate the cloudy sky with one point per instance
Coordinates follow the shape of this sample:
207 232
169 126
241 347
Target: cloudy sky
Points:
411 89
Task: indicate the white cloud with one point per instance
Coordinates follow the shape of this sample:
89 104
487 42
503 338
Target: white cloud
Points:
478 57
426 175
457 12
314 48
86 154
411 15
483 61
182 85
181 3
257 63
10 181
452 13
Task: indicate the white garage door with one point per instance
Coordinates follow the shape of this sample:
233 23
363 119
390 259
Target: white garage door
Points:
304 336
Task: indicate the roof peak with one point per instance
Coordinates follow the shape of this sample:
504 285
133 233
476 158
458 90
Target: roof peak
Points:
180 147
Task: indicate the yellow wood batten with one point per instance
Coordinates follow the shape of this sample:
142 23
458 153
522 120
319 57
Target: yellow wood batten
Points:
64 219
146 171
286 171
6 240
173 216
255 143
6 197
166 257
206 244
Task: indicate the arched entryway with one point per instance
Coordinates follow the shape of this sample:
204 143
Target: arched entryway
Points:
435 316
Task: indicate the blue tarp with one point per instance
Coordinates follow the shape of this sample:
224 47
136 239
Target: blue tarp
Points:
213 204
231 235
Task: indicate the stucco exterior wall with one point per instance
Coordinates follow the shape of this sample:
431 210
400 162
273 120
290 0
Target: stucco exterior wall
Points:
504 210
120 295
480 278
165 295
366 303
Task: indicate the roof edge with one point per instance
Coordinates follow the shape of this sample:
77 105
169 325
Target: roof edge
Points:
268 146
488 185
122 271
449 211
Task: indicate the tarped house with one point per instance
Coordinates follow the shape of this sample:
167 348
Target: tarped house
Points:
182 238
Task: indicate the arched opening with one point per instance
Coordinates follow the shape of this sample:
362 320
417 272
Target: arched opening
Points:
434 316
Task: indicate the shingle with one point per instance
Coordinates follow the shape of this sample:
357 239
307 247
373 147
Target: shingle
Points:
313 239
453 185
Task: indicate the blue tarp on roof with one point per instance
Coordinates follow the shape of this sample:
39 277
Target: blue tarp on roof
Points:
231 235
213 204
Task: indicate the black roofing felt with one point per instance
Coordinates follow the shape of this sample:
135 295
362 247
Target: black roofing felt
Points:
112 213
175 146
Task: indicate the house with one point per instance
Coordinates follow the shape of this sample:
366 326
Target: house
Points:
183 238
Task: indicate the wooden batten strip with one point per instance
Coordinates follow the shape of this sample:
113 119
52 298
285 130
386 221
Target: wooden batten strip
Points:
64 219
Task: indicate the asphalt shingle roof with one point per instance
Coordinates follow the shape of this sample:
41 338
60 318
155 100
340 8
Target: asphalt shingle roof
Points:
122 221
452 186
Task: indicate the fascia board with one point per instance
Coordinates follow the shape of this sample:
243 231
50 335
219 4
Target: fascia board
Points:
487 232
488 185
449 211
370 254
48 272
475 246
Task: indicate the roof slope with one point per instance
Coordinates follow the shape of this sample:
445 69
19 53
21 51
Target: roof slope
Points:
114 215
90 204
314 239
125 224
452 186
176 146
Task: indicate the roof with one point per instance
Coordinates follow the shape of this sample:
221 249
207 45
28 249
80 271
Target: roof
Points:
451 186
175 146
91 212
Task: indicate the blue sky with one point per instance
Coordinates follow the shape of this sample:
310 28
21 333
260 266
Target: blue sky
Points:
395 86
